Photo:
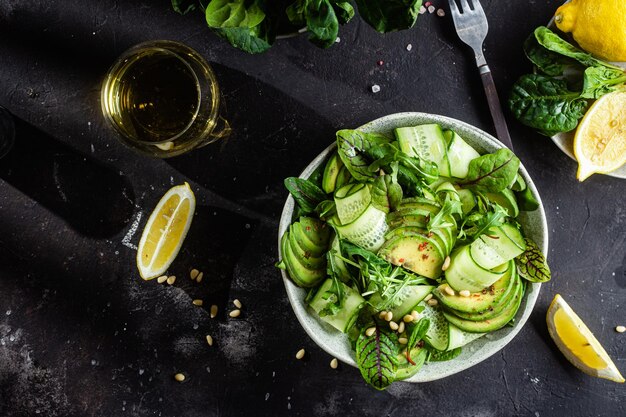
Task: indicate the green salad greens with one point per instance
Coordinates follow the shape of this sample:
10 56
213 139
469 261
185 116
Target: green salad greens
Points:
566 80
252 25
410 245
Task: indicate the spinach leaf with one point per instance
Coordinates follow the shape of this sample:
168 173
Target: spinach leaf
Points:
532 265
343 10
389 15
353 147
437 356
599 81
492 172
184 6
386 192
546 104
306 194
295 13
526 201
321 22
548 62
376 357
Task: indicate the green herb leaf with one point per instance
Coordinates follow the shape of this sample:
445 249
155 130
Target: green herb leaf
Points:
326 209
532 264
336 295
418 333
548 62
389 15
376 357
184 6
599 81
492 172
343 10
526 201
449 208
386 192
306 194
295 13
438 356
353 147
478 223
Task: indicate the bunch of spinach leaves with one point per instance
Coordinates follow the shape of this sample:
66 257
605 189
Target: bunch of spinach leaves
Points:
252 25
557 95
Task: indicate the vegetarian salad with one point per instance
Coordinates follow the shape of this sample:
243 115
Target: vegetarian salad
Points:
410 246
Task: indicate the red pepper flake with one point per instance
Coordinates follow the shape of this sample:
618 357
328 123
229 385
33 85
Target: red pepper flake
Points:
401 260
422 246
381 63
308 228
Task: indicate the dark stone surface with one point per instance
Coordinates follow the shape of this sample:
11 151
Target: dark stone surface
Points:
82 335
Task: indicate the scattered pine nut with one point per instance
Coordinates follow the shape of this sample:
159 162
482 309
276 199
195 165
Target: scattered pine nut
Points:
389 316
620 329
198 302
234 313
422 9
403 340
300 354
237 303
162 279
464 293
369 332
209 339
179 377
401 327
171 280
448 290
446 264
213 311
334 363
415 315
432 302
194 273
428 297
441 13
199 278
431 9
408 318
394 326
382 315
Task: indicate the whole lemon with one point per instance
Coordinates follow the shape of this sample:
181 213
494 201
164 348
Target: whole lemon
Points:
599 26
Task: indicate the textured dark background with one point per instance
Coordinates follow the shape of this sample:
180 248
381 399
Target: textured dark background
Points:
82 335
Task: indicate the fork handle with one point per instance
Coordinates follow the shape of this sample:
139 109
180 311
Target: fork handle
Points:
502 131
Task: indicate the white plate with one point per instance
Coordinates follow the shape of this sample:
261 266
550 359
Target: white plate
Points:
535 227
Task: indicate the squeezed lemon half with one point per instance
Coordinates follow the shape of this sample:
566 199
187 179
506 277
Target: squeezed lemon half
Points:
165 231
577 343
600 140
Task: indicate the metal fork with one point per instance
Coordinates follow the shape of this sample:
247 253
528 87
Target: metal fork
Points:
472 27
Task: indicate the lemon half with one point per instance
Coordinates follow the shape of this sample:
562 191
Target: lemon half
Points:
165 231
577 343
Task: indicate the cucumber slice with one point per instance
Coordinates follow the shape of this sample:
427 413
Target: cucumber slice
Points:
460 154
447 187
438 334
351 201
479 301
485 254
415 253
514 235
367 231
506 242
331 173
426 142
459 338
468 200
465 274
411 296
347 316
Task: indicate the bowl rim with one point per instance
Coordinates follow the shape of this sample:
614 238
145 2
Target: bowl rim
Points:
533 289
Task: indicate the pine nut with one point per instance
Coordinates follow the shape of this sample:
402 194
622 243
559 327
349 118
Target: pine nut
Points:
234 313
401 327
334 363
403 340
464 293
446 264
382 315
162 279
393 325
171 280
198 302
237 303
200 276
209 339
448 290
389 316
213 311
408 318
416 316
620 329
428 297
369 332
432 302
179 377
300 354
194 273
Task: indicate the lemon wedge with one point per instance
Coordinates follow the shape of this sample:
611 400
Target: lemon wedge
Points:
600 140
577 343
165 231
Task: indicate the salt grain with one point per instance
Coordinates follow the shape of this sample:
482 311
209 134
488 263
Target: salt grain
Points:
375 88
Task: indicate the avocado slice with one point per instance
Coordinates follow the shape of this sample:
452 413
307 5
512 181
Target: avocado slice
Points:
316 230
492 324
302 276
429 207
343 178
415 253
418 216
304 257
304 242
420 200
331 173
410 231
495 309
479 301
505 198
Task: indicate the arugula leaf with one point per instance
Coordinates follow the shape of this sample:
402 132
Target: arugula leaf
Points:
492 172
321 22
386 192
450 207
389 15
184 6
480 223
546 104
376 357
306 194
353 147
438 356
532 265
599 81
